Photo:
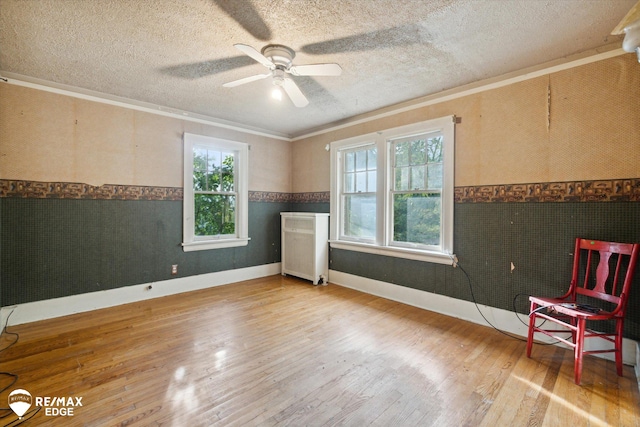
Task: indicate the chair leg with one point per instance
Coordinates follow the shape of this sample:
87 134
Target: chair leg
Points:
579 350
618 344
532 321
574 323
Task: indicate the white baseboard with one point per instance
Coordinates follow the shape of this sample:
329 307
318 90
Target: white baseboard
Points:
504 320
465 310
48 309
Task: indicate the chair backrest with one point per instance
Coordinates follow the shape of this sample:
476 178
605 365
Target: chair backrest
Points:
593 276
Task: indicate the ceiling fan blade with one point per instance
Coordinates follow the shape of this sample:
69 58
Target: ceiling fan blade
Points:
381 39
316 70
297 97
196 70
246 80
248 50
247 16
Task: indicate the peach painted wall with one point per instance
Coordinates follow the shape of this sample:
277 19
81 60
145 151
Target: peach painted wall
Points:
50 137
578 124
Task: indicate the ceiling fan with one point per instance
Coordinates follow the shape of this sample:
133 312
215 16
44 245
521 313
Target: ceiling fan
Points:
279 60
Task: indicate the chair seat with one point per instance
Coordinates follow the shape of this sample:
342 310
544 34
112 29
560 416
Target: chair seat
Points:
562 306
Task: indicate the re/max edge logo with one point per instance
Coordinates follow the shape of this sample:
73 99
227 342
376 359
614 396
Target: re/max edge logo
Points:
58 406
21 400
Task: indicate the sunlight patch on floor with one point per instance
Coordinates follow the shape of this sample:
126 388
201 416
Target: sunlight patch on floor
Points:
593 421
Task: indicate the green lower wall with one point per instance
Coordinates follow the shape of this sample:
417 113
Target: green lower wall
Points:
310 207
58 247
538 238
51 248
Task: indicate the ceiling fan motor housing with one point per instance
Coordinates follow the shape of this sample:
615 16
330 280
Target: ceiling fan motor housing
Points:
281 56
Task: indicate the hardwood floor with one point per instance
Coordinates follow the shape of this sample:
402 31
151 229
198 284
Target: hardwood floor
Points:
279 351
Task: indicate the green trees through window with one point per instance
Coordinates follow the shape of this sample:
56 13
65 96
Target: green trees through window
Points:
418 176
214 192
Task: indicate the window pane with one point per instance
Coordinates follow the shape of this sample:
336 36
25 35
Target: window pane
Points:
349 161
361 182
360 216
416 218
371 180
226 176
402 153
214 214
199 180
199 159
436 174
435 149
199 169
418 155
402 179
349 183
359 173
213 170
418 178
361 160
213 160
372 158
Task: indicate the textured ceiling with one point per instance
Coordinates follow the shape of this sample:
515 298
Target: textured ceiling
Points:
178 53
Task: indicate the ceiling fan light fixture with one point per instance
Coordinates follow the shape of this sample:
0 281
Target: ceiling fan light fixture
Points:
276 93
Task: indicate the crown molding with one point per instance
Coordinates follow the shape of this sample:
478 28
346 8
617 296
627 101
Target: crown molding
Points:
604 52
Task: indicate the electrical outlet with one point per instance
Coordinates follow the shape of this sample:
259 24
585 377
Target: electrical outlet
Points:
174 269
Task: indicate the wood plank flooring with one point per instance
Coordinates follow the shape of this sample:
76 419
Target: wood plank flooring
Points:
280 352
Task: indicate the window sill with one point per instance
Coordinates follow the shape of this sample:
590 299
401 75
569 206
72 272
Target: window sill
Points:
419 255
203 245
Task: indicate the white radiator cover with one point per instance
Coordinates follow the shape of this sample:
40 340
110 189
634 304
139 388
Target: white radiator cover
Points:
305 247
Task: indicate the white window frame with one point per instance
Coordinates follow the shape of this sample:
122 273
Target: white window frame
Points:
383 245
191 242
365 144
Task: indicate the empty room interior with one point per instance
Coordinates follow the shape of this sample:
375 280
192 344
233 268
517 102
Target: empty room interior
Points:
310 213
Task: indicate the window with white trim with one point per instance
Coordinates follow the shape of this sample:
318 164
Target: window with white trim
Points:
359 168
392 191
215 193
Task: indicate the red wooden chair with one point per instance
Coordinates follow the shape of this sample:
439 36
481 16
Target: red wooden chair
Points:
592 296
